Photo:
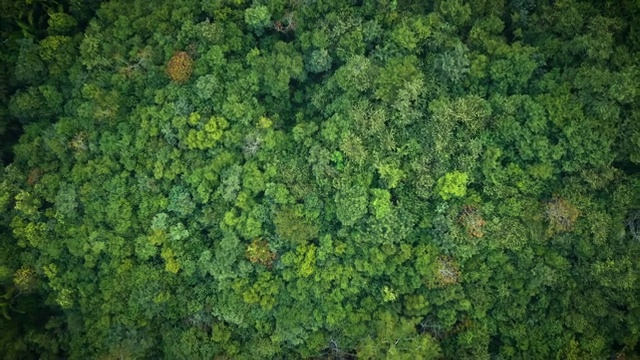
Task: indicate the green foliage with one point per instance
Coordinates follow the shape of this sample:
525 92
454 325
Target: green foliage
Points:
258 18
61 23
454 64
292 226
180 201
351 205
319 61
381 203
29 66
453 184
397 339
210 134
319 179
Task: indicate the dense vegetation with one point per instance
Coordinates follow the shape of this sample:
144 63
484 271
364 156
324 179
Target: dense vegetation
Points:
320 179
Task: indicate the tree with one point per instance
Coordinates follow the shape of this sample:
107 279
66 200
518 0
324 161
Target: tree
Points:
318 61
453 184
304 179
396 338
180 67
258 18
351 205
561 214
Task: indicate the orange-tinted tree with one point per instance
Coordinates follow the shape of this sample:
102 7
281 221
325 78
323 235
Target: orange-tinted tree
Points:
180 67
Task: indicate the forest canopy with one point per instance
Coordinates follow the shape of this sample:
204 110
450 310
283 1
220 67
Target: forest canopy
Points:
374 179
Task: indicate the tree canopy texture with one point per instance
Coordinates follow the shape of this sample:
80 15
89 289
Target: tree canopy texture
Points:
320 179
